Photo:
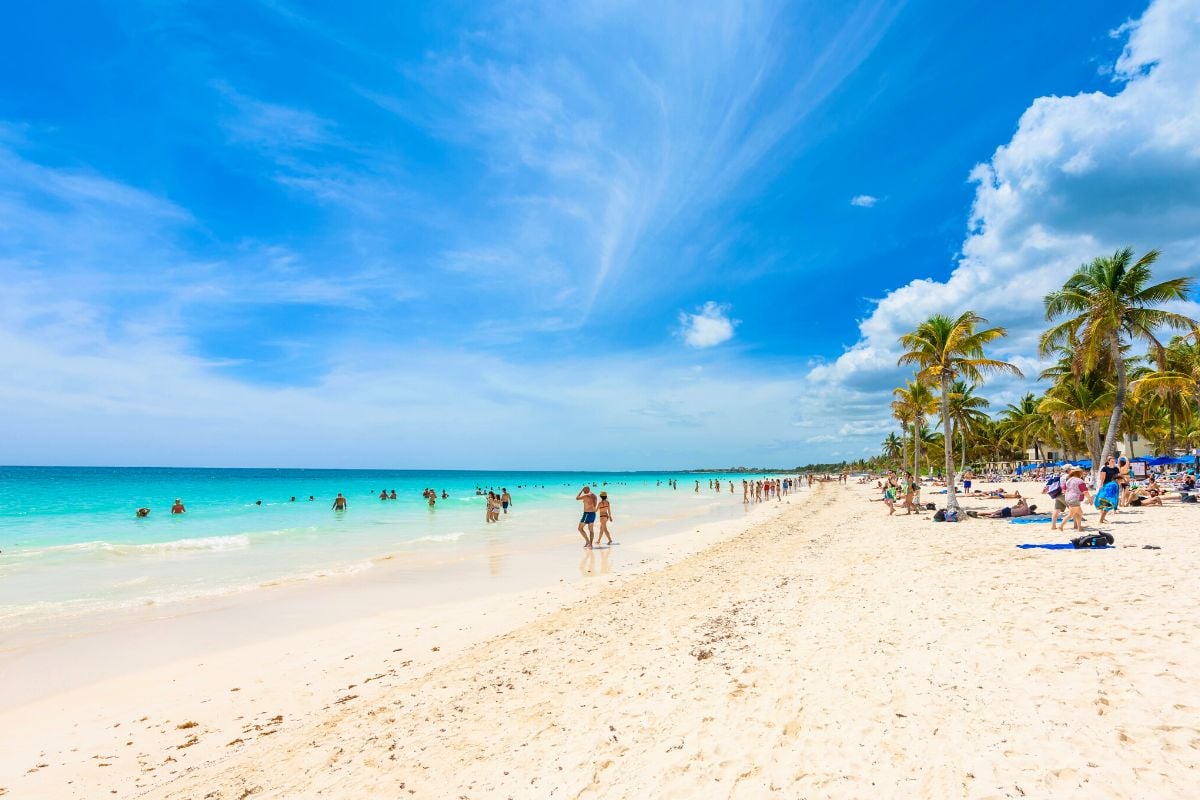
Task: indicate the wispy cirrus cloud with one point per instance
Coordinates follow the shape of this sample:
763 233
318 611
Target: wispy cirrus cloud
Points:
624 125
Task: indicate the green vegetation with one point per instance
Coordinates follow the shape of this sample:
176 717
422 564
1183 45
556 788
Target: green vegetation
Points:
1112 377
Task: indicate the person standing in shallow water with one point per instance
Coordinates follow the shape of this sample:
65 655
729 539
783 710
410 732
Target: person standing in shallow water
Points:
505 500
588 499
604 514
339 503
178 507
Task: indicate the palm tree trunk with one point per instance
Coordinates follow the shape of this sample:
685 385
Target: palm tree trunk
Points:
1114 420
904 446
951 497
962 459
1171 435
917 447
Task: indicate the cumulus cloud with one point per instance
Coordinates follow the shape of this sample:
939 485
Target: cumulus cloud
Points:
1083 176
708 327
863 201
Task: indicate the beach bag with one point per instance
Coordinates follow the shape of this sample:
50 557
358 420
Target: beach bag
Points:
930 506
1187 498
940 515
1100 539
1054 485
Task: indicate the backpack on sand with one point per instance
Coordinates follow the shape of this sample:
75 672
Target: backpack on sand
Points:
1100 539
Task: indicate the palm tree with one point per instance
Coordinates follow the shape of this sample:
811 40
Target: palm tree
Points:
966 412
946 349
1106 304
1175 382
1026 424
892 446
1081 404
914 401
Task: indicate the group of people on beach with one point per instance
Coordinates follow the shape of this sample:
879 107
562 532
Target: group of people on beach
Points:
765 489
594 507
1116 486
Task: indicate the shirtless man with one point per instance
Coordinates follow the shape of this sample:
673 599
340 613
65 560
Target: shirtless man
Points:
339 503
589 515
505 500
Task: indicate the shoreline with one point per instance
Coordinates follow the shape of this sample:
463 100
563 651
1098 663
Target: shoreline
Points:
163 664
824 650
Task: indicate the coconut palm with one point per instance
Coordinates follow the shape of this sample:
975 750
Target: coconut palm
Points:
892 446
1026 424
1107 304
1081 404
1175 382
915 401
945 349
967 414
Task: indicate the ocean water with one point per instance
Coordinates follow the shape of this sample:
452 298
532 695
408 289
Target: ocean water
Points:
71 545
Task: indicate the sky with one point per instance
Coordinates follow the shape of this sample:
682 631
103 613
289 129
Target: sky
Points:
560 235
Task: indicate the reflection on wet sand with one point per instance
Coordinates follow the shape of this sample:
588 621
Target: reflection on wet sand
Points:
595 561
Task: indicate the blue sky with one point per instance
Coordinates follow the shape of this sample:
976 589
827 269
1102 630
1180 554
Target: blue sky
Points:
599 234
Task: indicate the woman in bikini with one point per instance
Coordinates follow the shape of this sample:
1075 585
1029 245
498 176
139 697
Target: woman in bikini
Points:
604 514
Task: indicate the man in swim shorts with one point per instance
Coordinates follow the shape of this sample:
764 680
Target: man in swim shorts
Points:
505 500
339 503
589 501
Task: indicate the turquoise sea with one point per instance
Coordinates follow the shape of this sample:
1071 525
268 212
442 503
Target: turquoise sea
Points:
70 543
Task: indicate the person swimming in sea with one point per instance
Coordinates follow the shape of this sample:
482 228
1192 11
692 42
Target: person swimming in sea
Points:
178 507
143 512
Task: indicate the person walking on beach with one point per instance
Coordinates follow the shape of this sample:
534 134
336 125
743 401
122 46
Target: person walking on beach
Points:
339 503
588 499
604 513
1053 486
178 507
1076 492
505 500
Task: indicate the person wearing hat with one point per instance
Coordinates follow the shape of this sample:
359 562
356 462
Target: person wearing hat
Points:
1054 487
604 512
1075 492
178 507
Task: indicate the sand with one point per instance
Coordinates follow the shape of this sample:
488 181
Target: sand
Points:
825 651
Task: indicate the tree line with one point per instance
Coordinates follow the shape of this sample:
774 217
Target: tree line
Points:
1114 376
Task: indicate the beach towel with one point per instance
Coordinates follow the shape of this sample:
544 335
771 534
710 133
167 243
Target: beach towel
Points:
1106 497
1064 546
1031 518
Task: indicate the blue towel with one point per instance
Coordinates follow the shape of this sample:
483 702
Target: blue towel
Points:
1066 546
1029 519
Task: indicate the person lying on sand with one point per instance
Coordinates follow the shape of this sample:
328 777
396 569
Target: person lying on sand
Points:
998 494
1141 497
1021 509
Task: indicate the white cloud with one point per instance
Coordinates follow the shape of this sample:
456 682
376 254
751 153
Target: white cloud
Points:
1083 176
864 201
708 327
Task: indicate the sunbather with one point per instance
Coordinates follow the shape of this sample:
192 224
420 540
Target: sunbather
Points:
1021 509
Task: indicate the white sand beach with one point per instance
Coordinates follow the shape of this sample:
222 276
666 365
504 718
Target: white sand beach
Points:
824 651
